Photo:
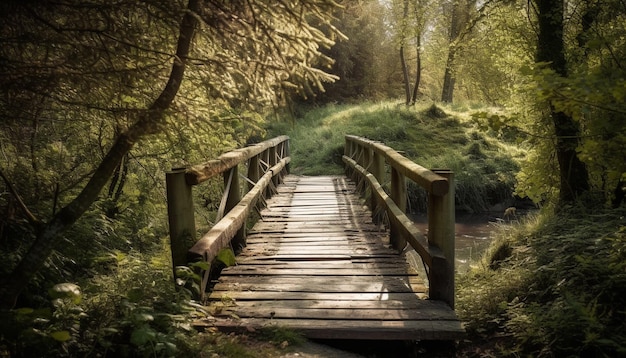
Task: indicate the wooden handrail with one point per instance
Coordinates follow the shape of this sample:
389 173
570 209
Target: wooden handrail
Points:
267 162
201 172
365 159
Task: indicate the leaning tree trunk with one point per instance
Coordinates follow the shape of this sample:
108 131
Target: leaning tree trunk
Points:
149 122
459 20
447 92
574 179
405 74
418 69
405 68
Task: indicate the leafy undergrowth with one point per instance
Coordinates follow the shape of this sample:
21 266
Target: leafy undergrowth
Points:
554 286
130 309
434 137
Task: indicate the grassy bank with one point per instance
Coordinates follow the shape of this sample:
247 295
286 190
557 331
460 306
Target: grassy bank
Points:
440 137
552 286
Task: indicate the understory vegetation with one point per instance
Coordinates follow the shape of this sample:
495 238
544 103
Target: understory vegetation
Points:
550 286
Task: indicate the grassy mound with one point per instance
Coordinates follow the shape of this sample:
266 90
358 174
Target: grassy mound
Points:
434 137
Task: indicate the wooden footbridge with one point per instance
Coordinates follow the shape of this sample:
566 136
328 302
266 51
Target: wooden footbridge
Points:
320 259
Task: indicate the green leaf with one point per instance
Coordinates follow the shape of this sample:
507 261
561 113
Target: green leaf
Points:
142 335
61 336
202 265
144 317
66 290
227 257
526 70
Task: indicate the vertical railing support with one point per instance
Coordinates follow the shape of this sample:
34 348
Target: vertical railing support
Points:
378 170
441 218
398 195
366 162
233 197
287 153
266 159
254 172
181 216
272 161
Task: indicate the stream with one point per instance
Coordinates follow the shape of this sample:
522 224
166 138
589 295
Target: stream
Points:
472 238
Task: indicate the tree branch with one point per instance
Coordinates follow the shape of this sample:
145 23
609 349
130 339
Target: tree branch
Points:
32 219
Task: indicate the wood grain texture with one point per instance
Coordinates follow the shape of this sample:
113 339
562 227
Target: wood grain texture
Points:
316 263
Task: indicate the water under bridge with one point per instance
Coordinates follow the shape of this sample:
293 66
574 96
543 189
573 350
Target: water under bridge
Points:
325 257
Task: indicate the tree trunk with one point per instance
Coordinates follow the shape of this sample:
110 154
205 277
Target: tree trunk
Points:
149 122
405 74
573 174
405 68
418 69
459 20
447 91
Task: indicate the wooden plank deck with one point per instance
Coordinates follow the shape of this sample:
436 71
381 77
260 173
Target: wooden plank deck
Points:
316 263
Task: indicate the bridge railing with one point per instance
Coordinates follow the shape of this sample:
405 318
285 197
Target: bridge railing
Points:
267 162
367 160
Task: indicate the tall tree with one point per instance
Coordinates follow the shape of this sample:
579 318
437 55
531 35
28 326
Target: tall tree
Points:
403 62
459 19
411 28
573 174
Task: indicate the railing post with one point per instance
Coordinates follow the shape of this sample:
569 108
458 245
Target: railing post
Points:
441 219
253 171
287 149
366 158
347 151
180 216
272 161
378 171
266 158
281 152
398 195
233 197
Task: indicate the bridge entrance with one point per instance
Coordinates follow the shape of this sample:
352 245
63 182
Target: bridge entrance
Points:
316 263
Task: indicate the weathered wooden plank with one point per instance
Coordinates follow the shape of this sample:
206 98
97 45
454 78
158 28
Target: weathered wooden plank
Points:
311 296
389 284
354 329
363 264
409 304
338 249
271 271
356 314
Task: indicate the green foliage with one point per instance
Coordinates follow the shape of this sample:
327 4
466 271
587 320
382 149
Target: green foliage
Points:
558 292
53 329
133 310
485 166
227 257
365 61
